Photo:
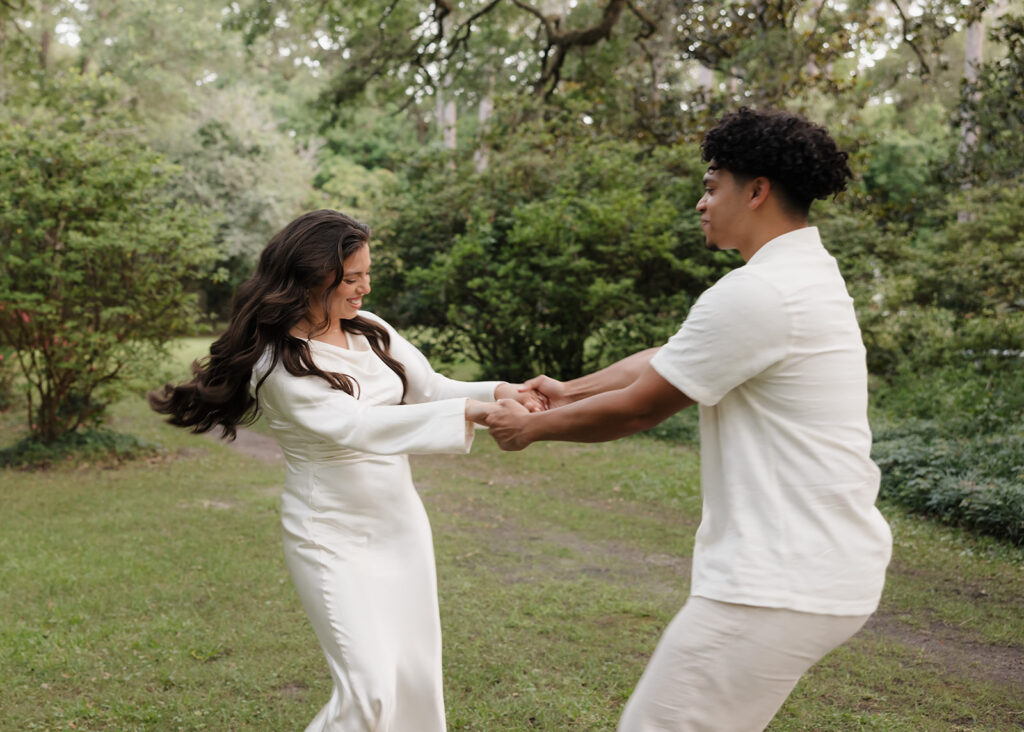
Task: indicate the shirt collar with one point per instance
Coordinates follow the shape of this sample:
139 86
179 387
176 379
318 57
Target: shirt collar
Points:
803 238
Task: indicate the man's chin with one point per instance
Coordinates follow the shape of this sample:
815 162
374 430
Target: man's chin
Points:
711 246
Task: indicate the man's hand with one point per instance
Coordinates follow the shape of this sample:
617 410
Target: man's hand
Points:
552 390
529 397
506 423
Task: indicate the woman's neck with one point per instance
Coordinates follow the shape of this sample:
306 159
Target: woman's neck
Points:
333 334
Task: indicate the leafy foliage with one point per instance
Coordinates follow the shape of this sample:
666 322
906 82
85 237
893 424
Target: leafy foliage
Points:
773 48
903 177
943 320
974 483
91 444
992 108
193 97
950 292
561 255
242 172
94 254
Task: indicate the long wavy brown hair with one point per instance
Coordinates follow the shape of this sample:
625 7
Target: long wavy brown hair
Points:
266 307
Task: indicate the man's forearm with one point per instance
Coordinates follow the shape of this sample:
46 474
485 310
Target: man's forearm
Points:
645 402
602 417
617 376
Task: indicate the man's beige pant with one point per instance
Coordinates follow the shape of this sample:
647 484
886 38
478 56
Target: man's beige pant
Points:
721 667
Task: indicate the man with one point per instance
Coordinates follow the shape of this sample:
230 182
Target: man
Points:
790 556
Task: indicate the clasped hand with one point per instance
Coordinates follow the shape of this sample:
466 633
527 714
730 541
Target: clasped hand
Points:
507 417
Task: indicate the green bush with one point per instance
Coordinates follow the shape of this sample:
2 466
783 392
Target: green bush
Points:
568 252
975 397
95 254
933 298
976 483
682 427
950 442
992 106
93 444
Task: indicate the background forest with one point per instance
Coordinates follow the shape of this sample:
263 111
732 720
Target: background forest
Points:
529 168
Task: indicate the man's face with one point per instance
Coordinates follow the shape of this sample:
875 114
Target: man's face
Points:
722 208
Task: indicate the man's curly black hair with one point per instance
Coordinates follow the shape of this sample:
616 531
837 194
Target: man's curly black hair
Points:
796 155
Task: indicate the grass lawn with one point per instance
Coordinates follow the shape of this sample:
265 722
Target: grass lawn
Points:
154 596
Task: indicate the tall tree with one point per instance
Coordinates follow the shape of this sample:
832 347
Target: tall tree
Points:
196 97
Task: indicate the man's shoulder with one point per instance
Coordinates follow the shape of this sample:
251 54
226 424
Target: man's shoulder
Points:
746 284
801 266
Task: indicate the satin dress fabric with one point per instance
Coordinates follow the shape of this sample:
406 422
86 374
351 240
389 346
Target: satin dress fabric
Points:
357 540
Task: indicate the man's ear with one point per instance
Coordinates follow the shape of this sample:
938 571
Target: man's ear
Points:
759 190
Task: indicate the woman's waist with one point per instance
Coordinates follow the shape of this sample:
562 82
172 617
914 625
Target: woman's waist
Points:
359 476
305 458
373 490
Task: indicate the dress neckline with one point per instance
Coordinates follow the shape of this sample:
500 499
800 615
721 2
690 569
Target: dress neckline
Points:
359 340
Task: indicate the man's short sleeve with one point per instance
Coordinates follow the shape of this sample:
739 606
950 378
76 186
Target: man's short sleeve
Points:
735 330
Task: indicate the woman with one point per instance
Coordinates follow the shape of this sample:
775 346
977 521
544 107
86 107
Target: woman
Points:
347 398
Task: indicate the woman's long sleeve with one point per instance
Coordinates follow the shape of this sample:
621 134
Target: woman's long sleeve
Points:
425 384
332 416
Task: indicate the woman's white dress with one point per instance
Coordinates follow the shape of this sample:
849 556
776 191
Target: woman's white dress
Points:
356 536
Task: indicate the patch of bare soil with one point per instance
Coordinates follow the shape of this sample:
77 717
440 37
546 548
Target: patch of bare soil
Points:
293 690
953 650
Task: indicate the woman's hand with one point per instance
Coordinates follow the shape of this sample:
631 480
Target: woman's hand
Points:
477 411
530 398
552 391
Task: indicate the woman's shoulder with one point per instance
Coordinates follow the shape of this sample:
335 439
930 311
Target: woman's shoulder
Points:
261 370
379 321
264 363
276 385
375 319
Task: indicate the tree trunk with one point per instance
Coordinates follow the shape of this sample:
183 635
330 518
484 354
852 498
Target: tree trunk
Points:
44 48
973 58
448 122
46 34
446 118
480 157
974 39
705 78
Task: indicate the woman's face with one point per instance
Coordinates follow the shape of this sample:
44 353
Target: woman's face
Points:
347 298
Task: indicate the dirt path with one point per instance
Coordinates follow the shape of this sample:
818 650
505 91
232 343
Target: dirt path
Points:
253 444
954 649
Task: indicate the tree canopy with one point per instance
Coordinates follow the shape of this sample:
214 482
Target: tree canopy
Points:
529 166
